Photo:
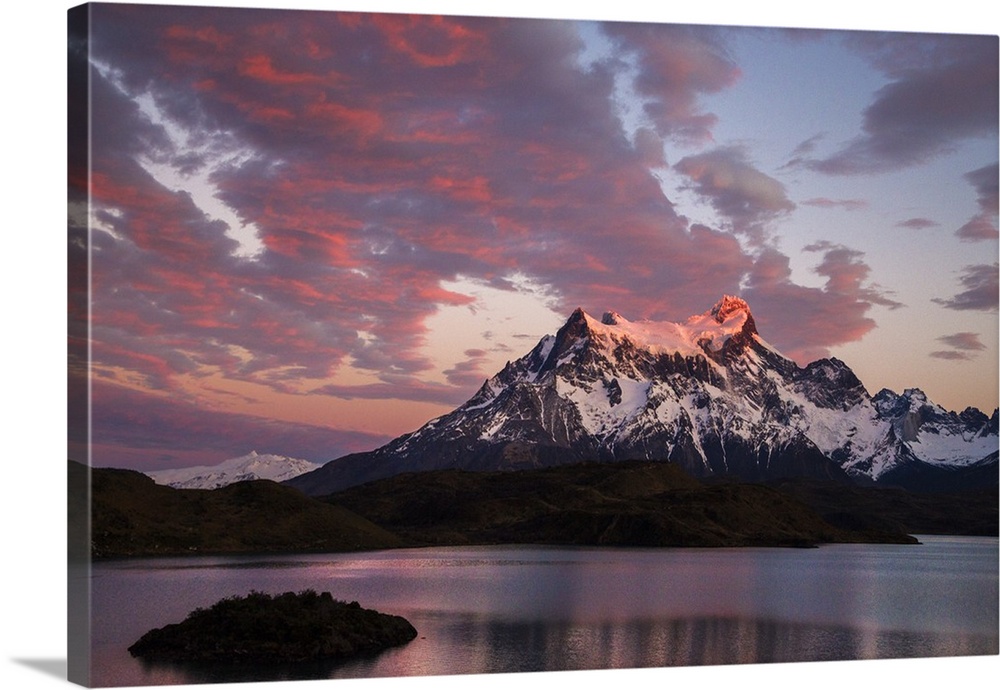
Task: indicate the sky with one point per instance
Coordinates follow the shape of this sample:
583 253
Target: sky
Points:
310 232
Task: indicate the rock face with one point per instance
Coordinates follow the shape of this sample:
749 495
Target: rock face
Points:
708 394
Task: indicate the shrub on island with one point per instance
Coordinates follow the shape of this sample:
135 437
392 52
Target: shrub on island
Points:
261 628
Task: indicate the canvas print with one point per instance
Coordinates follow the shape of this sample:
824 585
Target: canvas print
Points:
414 345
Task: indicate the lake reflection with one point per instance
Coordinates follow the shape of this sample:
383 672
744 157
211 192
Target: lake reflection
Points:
510 609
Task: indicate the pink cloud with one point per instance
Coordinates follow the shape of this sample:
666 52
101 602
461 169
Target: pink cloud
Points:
676 65
431 41
804 322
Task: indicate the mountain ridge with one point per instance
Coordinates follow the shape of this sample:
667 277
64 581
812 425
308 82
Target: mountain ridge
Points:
709 394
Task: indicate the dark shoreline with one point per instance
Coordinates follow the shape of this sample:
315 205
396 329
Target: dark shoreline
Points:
634 504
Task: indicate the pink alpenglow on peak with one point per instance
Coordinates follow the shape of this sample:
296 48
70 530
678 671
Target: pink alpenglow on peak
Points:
728 306
709 331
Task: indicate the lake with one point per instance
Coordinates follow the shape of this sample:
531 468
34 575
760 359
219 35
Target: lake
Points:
516 608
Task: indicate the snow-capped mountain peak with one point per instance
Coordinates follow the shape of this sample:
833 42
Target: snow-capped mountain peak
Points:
728 307
703 334
707 393
247 467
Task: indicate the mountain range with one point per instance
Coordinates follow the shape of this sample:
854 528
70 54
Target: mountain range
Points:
708 394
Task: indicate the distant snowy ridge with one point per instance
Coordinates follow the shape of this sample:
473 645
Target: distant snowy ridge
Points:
277 468
708 394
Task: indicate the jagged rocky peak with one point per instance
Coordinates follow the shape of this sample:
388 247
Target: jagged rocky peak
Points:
729 307
575 327
721 334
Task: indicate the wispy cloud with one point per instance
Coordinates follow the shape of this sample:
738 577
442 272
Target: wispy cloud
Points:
469 372
954 355
963 341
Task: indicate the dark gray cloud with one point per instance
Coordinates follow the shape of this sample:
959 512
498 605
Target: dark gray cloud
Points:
917 223
983 226
941 90
737 190
964 346
980 293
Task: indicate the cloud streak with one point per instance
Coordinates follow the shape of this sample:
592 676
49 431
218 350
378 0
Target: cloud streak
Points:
154 432
843 204
963 346
917 223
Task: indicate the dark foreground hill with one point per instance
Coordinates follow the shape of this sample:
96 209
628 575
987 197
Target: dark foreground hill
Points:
133 516
973 512
621 504
647 504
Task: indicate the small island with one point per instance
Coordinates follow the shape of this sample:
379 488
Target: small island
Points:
261 628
